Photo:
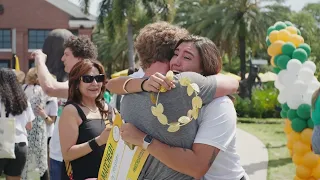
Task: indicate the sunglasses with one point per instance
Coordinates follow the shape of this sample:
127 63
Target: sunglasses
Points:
89 78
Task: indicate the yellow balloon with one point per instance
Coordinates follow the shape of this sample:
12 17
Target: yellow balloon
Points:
297 159
296 39
275 48
311 178
303 172
273 36
296 178
306 136
316 172
292 30
290 145
284 35
272 62
294 136
300 148
287 127
310 160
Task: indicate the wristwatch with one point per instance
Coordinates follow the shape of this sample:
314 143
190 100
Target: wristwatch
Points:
147 140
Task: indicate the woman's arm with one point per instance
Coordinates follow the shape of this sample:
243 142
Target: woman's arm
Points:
216 131
179 159
69 131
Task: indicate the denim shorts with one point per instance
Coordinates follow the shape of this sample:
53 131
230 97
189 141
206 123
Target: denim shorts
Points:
316 139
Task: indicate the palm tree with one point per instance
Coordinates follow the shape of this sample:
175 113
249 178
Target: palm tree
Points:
117 17
231 24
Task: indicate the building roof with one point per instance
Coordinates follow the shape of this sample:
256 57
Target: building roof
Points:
72 9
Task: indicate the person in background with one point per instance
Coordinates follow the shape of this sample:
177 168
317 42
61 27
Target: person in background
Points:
16 106
37 136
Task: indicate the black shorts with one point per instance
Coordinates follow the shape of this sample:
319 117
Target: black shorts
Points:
14 167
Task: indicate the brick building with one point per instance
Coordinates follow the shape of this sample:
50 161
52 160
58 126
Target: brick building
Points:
24 25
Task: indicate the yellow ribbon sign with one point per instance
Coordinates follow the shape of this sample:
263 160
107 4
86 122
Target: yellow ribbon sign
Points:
119 161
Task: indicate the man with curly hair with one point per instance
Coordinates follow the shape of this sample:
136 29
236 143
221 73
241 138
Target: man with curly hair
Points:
155 47
76 49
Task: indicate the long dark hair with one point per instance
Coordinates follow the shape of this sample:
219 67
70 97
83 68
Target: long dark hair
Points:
11 93
78 70
54 48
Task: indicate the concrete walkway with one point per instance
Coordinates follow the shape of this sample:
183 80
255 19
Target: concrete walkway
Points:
253 154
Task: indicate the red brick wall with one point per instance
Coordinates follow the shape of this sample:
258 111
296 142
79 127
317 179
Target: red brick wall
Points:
31 14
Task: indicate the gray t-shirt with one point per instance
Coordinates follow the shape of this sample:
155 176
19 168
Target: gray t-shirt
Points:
136 109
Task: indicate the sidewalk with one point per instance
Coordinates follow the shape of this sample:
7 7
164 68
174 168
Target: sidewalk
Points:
253 154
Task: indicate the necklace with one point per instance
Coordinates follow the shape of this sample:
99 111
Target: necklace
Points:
91 109
158 109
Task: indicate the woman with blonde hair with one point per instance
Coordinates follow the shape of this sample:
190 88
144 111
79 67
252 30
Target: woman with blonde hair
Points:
37 136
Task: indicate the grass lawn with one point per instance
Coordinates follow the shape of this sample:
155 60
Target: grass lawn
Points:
270 132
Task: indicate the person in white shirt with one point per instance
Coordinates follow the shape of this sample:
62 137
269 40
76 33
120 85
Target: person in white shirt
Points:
16 106
213 154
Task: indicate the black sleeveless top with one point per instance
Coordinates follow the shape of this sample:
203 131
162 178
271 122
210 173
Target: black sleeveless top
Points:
88 165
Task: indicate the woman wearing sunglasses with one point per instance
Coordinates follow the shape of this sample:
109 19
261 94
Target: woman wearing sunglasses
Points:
83 125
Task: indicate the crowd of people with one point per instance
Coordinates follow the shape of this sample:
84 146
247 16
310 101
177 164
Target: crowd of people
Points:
63 123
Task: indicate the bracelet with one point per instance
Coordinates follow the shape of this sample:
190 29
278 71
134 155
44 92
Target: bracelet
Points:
142 85
93 144
124 85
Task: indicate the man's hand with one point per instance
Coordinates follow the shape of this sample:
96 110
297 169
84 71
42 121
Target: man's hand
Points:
38 56
131 134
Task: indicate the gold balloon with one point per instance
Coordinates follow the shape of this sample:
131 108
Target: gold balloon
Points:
316 171
275 48
303 172
306 136
272 62
297 159
300 148
273 36
296 39
310 160
284 35
292 30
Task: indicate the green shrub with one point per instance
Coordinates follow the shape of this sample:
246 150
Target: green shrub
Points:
263 104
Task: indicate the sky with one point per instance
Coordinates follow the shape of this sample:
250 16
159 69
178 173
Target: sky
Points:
296 5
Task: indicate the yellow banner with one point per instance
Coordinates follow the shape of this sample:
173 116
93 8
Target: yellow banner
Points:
121 161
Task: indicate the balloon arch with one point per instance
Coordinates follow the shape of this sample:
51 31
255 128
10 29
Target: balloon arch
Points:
296 84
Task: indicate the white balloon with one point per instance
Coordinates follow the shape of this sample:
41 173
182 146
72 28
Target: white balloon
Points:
314 85
306 75
294 65
278 85
299 87
306 97
310 65
281 98
281 76
295 101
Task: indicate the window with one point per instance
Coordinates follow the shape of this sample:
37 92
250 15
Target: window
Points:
4 63
31 63
5 39
36 38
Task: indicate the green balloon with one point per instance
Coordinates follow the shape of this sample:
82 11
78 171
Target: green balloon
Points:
283 61
298 124
288 48
283 114
288 23
276 59
303 111
276 70
300 54
310 123
270 29
285 107
280 25
306 47
292 114
268 42
298 31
